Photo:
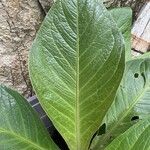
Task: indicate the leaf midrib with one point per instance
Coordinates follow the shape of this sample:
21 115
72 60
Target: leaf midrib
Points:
21 138
77 120
132 105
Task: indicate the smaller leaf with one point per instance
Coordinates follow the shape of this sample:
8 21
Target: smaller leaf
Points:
20 127
145 55
136 138
123 18
131 104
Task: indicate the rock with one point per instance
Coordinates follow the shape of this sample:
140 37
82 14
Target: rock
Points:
46 4
19 21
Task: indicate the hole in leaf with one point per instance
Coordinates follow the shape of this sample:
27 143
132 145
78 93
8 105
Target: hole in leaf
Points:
111 137
102 129
144 78
136 75
134 118
95 134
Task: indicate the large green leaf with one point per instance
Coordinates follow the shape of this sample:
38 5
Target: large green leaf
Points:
132 102
20 127
123 18
76 64
136 138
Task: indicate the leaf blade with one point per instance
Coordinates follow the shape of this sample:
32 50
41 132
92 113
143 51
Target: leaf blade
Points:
70 55
20 127
131 103
137 137
123 18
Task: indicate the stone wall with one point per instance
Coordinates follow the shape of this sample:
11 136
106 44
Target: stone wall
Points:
19 22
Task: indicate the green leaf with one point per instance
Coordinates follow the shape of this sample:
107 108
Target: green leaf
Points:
20 127
132 102
76 64
123 18
144 56
136 138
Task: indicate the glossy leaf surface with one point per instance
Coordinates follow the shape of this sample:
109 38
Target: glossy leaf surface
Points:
123 18
136 138
76 64
131 104
20 127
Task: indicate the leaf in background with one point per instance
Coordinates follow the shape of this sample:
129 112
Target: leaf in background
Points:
144 56
76 64
20 127
123 18
136 138
131 104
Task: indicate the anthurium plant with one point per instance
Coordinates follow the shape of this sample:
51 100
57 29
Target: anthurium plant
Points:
94 92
